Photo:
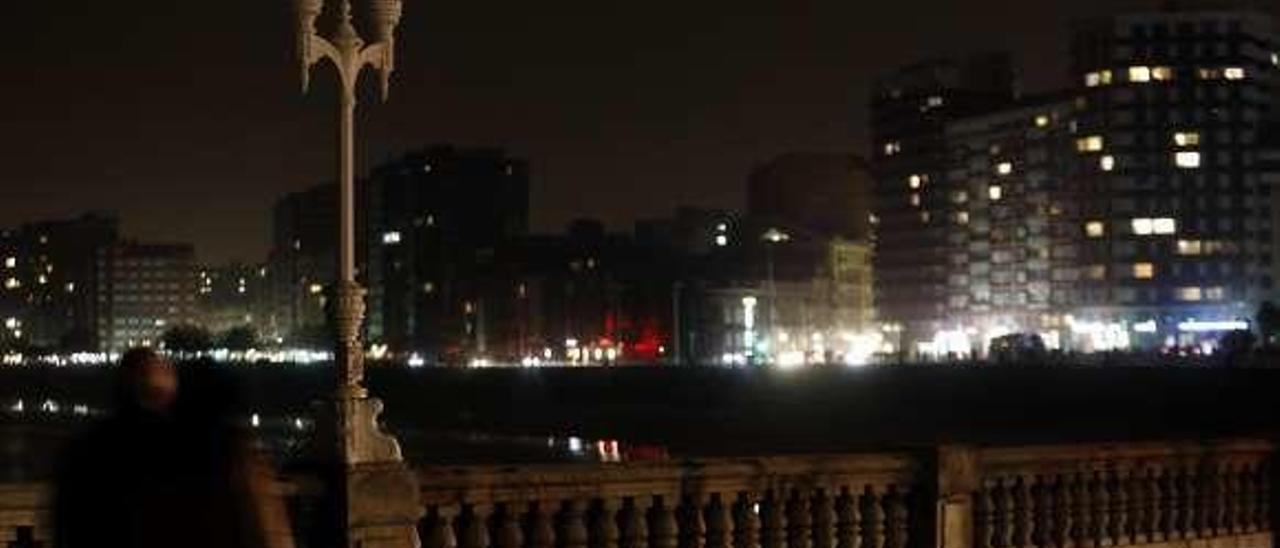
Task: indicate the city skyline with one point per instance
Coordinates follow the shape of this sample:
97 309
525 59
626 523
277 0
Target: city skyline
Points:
639 110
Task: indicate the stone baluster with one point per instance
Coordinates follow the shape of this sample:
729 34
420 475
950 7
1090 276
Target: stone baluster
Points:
1041 513
573 527
773 526
1020 506
1141 506
506 528
848 521
692 527
1248 499
1231 522
440 532
824 519
719 520
1189 505
635 527
1100 504
1002 525
1214 502
895 518
542 533
1081 513
1060 496
746 533
872 519
474 527
1118 506
662 524
984 518
603 532
799 520
1262 509
1166 506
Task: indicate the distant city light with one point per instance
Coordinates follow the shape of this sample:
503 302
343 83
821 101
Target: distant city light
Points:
391 238
1187 159
1195 326
10 262
1233 73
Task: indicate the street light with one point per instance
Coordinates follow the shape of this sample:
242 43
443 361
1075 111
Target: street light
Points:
380 493
350 55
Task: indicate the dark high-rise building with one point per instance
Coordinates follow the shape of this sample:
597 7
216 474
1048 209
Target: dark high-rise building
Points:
1176 223
436 219
910 110
303 261
825 195
1010 221
142 290
48 272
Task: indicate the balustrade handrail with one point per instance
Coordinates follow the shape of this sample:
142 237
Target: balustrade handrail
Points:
1090 457
504 483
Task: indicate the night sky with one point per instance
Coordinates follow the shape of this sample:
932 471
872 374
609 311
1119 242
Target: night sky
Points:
186 116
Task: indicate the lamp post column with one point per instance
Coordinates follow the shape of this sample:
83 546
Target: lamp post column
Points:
378 502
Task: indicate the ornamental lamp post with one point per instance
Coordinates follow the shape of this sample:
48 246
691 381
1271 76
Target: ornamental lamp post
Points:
379 495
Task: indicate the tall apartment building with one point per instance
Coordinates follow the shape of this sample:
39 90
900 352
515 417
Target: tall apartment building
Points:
142 290
303 259
436 219
1010 221
1176 225
47 274
910 110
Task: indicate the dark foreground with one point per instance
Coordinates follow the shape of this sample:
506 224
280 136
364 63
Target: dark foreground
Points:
452 415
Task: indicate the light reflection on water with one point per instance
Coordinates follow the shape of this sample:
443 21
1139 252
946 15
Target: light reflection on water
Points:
284 435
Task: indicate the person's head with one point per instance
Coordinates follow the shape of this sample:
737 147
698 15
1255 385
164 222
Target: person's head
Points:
147 381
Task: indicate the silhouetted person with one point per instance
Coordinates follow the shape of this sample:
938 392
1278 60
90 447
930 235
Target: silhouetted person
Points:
166 470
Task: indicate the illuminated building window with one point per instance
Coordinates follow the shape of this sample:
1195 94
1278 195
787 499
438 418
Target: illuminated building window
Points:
934 101
1042 120
1161 74
1144 271
1188 294
994 193
70 287
1275 59
1186 138
925 217
315 289
892 147
962 217
1004 168
1092 143
1187 159
1215 293
1095 229
42 279
1099 78
10 262
391 238
1189 247
915 181
1096 272
1208 74
721 240
1107 163
428 287
960 197
1146 226
915 199
1233 73
12 283
1140 74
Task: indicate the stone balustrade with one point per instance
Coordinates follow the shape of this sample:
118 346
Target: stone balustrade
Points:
862 501
1195 495
1124 495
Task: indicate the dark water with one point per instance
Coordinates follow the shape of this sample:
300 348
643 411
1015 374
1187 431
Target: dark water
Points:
522 415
